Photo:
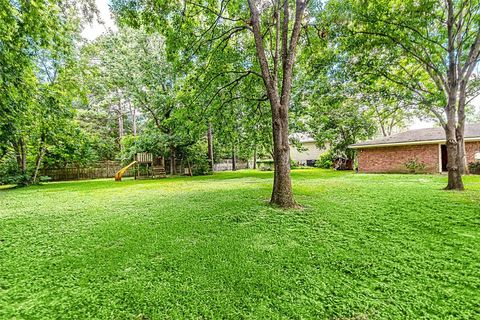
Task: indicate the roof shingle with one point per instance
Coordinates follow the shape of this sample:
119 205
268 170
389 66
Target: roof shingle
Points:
420 136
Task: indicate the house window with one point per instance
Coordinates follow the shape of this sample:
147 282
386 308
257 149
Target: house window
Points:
477 156
310 163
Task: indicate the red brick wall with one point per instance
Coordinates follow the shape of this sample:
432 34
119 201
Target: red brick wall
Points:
470 149
393 159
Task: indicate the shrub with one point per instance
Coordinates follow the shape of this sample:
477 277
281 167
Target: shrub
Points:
196 157
45 178
201 167
10 172
474 167
18 179
415 166
295 165
325 161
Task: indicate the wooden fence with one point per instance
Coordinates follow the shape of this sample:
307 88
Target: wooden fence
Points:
226 165
106 169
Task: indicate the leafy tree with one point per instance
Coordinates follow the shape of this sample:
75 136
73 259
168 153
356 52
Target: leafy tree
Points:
199 32
339 124
135 81
430 47
38 84
336 105
389 105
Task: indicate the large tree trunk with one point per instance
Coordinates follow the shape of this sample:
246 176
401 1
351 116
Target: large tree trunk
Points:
460 130
453 165
461 159
210 146
282 194
455 181
454 175
453 145
279 96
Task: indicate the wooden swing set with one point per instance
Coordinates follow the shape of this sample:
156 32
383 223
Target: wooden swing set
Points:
147 167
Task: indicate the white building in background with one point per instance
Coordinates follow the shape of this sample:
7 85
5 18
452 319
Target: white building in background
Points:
307 153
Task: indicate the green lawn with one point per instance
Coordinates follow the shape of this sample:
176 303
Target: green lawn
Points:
363 247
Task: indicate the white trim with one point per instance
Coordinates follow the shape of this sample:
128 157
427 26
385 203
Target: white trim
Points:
410 143
440 162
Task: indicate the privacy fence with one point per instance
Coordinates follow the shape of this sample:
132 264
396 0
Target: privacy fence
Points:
105 169
226 164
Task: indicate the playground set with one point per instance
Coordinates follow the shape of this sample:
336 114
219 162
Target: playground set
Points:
146 167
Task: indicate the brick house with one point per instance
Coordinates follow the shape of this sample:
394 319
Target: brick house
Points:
427 146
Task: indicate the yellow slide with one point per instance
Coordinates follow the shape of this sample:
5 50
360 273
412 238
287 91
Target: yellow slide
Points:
119 174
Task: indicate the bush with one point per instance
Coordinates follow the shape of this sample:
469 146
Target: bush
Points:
325 161
45 179
201 167
295 165
10 173
415 166
18 179
474 167
195 155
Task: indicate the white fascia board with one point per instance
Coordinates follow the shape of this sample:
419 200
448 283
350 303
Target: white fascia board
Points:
410 143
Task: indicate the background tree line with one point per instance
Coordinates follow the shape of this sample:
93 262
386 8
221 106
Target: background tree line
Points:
240 76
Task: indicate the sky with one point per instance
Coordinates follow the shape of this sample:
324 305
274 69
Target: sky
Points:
91 32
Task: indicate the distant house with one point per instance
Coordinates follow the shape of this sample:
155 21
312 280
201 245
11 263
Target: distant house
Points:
425 146
308 152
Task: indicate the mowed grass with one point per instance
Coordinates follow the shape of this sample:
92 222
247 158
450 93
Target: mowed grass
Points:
362 247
